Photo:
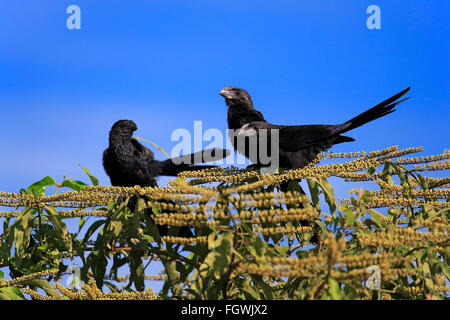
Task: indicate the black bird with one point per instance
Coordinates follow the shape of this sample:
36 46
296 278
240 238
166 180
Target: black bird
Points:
129 163
125 164
298 144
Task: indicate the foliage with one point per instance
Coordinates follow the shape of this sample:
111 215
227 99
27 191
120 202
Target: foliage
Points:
251 241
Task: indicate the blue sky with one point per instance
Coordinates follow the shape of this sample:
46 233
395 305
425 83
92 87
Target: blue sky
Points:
163 64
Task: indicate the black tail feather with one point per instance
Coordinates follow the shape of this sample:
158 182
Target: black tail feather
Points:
380 110
173 166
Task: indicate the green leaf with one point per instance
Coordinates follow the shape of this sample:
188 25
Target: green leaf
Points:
445 269
250 290
264 286
220 255
376 217
329 194
22 229
11 293
141 205
173 277
137 271
427 272
43 247
115 227
155 145
97 260
259 248
334 289
38 188
81 224
75 185
92 229
282 250
349 218
313 185
44 285
94 179
60 226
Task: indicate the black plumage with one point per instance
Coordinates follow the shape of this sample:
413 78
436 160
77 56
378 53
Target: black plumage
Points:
299 144
129 163
125 164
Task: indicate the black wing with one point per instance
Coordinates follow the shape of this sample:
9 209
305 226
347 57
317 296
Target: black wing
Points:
294 138
128 173
146 153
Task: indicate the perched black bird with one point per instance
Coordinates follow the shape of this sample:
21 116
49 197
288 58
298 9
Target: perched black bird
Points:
125 164
129 163
298 145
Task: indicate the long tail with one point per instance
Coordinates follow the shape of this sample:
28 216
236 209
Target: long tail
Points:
173 166
376 112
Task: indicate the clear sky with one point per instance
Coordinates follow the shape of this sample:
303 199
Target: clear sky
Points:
162 64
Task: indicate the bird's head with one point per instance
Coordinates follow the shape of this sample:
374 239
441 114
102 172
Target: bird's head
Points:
235 97
124 127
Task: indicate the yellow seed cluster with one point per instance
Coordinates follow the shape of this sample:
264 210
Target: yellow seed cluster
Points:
363 154
283 230
444 165
388 187
62 213
432 193
336 264
218 173
416 160
280 215
185 241
91 292
9 214
183 220
440 223
399 153
150 277
414 290
437 182
21 280
36 295
352 176
385 201
400 237
353 261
